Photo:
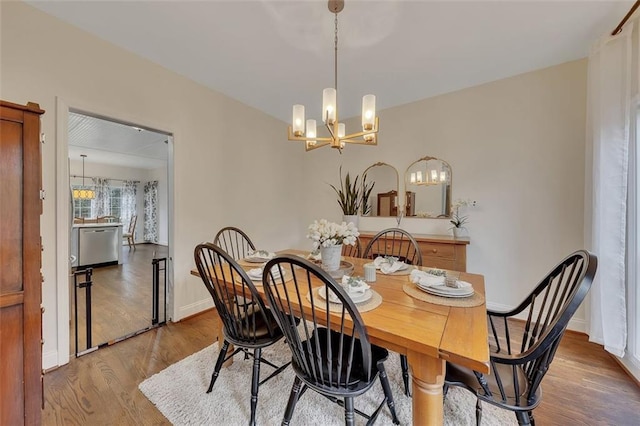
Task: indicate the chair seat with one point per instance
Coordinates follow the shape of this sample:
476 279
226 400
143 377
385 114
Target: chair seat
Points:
359 379
457 375
255 327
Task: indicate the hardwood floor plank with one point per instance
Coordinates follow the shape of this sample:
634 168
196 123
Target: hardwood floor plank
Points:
584 385
121 297
102 387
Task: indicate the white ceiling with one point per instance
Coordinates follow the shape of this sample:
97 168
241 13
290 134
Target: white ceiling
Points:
271 54
108 142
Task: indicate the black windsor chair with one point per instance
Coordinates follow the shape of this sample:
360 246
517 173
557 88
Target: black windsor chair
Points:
398 243
338 361
234 241
521 356
247 323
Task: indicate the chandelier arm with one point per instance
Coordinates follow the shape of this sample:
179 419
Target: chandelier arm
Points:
309 147
333 135
359 141
292 137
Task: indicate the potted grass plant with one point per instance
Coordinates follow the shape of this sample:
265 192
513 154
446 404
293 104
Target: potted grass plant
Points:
352 196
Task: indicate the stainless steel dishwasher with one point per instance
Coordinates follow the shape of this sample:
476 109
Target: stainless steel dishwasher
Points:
98 245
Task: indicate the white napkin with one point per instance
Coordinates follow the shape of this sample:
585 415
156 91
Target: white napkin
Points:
388 264
315 256
424 279
463 284
256 273
354 285
261 254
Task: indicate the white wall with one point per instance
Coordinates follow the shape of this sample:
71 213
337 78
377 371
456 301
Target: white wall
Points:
517 146
217 142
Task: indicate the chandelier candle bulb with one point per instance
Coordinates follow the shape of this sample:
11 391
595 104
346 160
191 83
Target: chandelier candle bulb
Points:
311 131
419 176
329 105
368 112
443 176
341 130
434 175
413 178
298 120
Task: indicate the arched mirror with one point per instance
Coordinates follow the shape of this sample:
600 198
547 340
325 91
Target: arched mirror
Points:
428 185
380 191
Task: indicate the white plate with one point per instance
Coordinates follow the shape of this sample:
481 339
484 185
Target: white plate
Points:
448 291
256 259
256 280
355 297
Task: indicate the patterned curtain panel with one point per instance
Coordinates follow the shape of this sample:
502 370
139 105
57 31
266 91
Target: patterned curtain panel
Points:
101 204
128 207
151 212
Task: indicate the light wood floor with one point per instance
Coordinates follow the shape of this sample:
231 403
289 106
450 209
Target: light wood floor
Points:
584 386
121 297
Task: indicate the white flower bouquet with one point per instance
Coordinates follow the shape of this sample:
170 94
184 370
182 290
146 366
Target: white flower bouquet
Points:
324 233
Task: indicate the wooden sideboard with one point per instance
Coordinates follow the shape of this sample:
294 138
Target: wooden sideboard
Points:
438 251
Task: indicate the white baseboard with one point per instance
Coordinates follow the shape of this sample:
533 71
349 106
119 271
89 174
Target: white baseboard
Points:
49 360
575 324
631 364
193 308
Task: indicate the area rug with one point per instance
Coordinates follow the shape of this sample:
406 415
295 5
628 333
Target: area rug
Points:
179 392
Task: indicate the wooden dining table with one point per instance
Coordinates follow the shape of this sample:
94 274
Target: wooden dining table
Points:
428 334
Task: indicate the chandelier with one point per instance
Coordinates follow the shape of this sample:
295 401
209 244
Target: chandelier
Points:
337 133
431 177
83 193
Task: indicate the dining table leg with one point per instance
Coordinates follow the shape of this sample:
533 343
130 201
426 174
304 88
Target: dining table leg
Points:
428 380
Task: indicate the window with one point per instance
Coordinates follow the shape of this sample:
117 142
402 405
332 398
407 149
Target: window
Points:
84 208
81 208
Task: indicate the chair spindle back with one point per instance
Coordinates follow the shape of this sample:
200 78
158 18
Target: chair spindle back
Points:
324 360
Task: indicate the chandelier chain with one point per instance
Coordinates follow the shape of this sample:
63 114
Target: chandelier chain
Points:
335 61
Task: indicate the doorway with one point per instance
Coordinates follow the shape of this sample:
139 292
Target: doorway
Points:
119 229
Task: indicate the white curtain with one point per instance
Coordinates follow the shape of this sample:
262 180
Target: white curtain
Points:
101 205
151 212
129 195
611 116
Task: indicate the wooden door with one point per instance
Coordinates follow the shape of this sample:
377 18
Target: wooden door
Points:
20 263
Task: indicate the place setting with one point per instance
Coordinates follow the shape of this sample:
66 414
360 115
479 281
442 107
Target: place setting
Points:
255 275
391 265
442 288
361 293
256 257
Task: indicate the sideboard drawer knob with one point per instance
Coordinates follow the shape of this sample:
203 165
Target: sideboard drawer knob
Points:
434 250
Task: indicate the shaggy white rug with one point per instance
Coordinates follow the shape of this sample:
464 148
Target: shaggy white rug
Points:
179 392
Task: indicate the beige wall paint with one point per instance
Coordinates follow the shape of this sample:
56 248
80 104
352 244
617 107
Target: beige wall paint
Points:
231 164
516 146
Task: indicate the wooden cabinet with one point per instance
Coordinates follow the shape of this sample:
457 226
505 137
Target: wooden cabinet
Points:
20 263
438 251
